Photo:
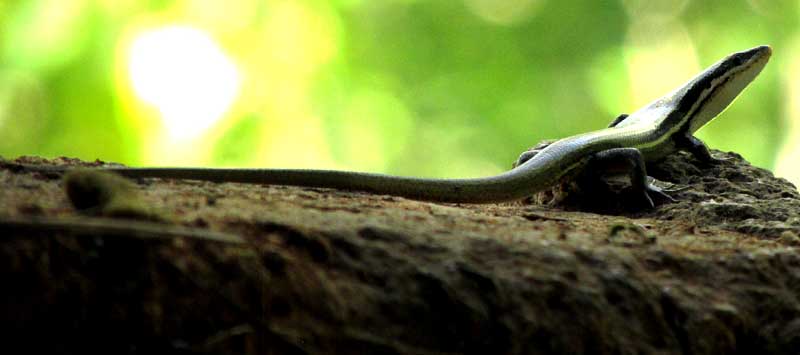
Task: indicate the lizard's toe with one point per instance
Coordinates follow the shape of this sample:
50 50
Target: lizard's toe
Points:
651 191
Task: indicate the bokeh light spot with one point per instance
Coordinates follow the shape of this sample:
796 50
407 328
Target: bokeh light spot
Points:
503 12
659 58
183 73
382 122
46 35
648 8
789 154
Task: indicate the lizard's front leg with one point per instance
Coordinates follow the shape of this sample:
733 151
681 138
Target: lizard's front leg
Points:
627 161
697 148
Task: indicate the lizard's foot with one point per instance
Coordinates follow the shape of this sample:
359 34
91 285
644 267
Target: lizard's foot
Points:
673 188
651 191
628 162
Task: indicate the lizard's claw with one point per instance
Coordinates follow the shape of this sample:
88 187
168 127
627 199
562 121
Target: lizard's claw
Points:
651 191
672 188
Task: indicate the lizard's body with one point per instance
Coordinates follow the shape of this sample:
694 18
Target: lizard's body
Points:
655 131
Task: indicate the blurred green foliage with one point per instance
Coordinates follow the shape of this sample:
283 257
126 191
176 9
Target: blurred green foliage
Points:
414 87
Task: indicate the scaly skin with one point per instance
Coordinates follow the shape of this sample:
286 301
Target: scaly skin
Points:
656 130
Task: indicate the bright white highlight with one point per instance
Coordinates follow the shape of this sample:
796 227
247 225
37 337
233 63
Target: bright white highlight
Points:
185 74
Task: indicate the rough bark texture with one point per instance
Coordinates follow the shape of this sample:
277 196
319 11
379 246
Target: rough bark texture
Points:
325 271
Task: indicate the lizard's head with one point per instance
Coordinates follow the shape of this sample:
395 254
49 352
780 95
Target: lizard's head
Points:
709 93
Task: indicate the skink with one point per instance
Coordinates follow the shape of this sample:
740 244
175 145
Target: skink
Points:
647 135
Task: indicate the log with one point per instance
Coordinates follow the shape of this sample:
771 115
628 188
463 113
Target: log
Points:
254 269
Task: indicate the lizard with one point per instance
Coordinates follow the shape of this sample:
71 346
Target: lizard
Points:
645 136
